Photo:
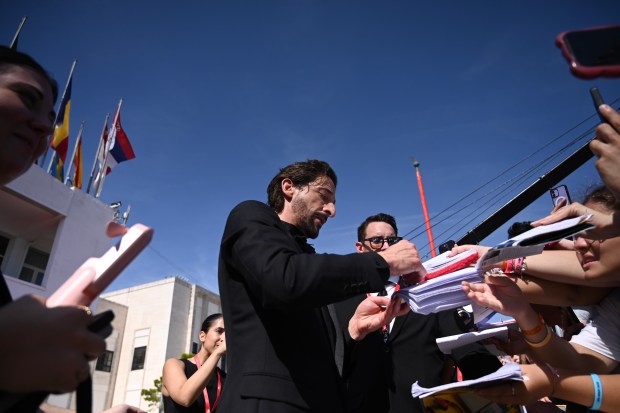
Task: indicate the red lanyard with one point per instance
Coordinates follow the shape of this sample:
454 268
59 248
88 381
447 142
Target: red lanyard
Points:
204 391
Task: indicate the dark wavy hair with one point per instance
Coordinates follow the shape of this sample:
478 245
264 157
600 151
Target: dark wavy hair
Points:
10 57
603 196
380 217
210 321
301 174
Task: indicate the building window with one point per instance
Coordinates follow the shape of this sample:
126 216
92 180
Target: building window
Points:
4 245
34 266
104 362
139 354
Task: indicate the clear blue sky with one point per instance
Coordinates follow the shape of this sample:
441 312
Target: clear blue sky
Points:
219 94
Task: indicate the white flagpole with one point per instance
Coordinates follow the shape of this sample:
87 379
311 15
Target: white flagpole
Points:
103 170
77 141
99 149
19 29
56 119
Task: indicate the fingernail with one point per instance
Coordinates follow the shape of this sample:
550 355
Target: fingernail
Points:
605 108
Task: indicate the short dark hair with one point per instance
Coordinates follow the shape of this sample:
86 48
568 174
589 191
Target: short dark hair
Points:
380 217
518 228
209 321
603 196
10 57
301 174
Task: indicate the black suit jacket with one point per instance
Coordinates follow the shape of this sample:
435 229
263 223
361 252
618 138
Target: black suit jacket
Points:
274 288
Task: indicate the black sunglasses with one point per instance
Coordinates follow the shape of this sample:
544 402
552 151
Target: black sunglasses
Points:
377 242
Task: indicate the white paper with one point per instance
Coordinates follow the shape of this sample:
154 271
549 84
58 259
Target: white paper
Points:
509 371
449 343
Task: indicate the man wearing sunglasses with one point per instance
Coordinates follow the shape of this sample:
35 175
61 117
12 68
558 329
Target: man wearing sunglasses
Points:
387 362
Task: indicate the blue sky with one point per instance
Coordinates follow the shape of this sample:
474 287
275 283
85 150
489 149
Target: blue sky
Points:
219 94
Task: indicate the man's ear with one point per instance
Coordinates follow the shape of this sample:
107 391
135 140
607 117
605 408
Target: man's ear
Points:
359 246
288 188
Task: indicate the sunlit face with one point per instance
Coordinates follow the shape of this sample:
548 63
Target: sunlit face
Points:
598 257
26 117
376 229
312 205
214 337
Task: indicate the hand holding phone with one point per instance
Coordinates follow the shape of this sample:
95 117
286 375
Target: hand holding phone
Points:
94 276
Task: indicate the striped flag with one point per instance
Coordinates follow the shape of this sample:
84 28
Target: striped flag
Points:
60 141
120 147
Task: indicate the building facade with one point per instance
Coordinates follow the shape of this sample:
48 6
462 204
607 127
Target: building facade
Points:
47 230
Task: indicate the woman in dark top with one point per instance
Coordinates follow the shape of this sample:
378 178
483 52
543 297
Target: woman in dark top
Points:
195 384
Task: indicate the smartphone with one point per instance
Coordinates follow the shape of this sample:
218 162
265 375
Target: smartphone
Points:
96 274
598 100
558 194
592 52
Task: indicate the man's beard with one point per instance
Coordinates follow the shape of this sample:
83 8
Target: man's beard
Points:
305 218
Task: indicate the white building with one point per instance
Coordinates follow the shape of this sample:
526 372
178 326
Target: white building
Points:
160 320
47 230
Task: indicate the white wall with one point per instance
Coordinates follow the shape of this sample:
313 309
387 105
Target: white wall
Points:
80 233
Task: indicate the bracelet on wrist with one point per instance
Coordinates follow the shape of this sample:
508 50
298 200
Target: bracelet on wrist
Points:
536 329
598 392
543 342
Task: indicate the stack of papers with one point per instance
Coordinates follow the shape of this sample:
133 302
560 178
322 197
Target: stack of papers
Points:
441 293
444 292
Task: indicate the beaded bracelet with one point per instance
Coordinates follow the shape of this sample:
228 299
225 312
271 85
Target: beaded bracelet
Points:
532 331
516 266
543 342
598 392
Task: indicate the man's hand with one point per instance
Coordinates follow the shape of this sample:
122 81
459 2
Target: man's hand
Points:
373 313
404 259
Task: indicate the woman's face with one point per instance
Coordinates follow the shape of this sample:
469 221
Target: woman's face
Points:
214 337
26 117
598 257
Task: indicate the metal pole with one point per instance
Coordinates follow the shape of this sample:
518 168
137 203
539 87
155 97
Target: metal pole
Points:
427 220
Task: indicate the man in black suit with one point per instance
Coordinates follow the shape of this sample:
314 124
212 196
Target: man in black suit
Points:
381 370
281 337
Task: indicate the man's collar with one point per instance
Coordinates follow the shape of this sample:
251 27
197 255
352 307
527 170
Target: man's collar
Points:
300 237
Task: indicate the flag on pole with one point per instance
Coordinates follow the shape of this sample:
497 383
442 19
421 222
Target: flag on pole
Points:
77 163
117 149
120 147
60 140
